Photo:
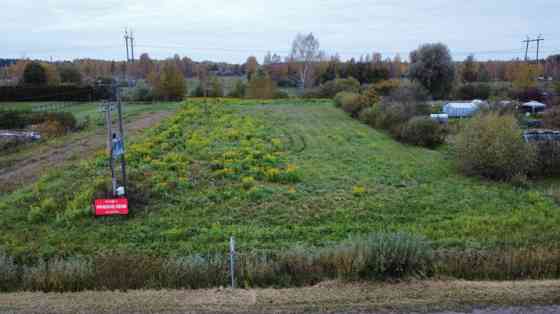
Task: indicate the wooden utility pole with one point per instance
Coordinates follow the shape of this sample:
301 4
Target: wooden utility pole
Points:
538 40
126 38
132 45
529 41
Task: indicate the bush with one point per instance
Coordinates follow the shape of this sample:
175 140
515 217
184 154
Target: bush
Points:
370 115
141 92
492 146
352 103
397 113
372 96
472 91
551 118
331 88
423 131
65 121
386 87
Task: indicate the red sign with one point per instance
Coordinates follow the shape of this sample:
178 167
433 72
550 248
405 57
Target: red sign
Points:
109 207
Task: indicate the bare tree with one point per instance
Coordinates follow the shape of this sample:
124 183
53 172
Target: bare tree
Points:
305 52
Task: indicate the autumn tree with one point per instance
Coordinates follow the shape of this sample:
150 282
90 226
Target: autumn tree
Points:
145 65
251 67
469 70
70 74
261 87
34 74
525 76
170 83
432 66
53 76
305 53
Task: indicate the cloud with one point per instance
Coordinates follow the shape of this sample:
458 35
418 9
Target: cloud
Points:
225 30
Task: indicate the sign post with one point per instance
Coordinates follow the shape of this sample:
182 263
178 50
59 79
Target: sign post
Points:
118 205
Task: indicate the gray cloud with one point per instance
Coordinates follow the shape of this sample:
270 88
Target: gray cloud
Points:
224 30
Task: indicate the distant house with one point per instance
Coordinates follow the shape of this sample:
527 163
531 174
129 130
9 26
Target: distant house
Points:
463 109
533 107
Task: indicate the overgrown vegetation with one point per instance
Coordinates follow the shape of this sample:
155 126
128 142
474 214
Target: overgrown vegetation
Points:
52 123
373 257
276 175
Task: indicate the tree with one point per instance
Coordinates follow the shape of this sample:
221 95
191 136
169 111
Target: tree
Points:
216 87
432 66
170 85
70 74
145 65
469 70
238 90
261 87
525 76
53 77
251 67
34 74
305 52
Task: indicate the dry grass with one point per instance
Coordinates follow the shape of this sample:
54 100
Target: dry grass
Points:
420 296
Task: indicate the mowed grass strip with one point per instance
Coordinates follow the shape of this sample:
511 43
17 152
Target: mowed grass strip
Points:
351 179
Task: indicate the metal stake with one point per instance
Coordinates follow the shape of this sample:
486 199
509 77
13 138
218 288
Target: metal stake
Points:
232 261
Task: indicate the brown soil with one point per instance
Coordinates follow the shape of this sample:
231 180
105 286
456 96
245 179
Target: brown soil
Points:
26 169
332 297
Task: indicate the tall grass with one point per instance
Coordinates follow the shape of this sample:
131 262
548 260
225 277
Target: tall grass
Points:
373 257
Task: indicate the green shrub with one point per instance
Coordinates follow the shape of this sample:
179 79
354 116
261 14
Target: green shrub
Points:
492 146
394 114
352 103
370 115
331 88
423 131
23 119
141 92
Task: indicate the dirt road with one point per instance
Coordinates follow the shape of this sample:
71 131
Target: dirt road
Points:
332 297
26 168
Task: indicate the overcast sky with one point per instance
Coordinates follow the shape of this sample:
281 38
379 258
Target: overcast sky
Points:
231 30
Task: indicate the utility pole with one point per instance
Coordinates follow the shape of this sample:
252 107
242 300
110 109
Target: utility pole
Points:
126 38
529 41
132 44
538 40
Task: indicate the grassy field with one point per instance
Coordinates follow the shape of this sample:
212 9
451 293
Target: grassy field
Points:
274 174
81 110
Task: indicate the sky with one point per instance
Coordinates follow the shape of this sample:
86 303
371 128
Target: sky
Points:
232 30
